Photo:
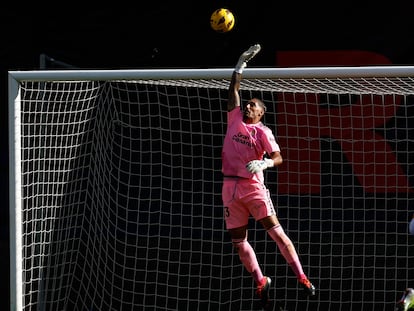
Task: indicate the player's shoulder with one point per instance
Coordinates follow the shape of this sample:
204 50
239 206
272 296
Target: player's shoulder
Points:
263 127
264 130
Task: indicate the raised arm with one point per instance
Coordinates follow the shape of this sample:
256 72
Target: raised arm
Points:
234 97
234 88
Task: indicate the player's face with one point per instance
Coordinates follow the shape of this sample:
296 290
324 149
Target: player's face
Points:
252 111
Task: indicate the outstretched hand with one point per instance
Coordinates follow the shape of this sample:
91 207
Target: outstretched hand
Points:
247 56
251 52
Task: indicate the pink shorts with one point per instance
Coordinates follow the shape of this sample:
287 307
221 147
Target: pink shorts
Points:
245 197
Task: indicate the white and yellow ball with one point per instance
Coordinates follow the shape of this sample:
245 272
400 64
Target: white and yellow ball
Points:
222 20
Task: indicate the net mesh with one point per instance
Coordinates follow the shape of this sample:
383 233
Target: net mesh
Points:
121 194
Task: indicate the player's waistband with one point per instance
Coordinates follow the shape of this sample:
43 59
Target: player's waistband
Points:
234 177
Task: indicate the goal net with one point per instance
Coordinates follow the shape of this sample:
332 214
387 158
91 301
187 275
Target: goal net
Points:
115 188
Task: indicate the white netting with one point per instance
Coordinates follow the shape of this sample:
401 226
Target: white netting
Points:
121 194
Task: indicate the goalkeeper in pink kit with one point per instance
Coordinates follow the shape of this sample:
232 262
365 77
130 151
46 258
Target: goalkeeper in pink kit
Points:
249 148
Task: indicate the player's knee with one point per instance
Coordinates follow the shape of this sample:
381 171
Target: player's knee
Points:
239 244
246 253
279 236
276 228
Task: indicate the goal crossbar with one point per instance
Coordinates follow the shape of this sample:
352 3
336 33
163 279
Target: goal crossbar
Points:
217 73
347 132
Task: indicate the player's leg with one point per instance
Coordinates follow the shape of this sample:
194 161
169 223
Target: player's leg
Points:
267 216
248 258
236 217
236 199
246 253
284 243
287 249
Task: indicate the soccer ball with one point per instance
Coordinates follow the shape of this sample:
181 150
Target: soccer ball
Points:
222 20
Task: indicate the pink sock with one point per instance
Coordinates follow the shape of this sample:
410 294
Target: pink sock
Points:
287 249
249 260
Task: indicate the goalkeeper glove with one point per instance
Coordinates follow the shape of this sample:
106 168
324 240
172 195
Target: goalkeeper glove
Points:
246 56
256 166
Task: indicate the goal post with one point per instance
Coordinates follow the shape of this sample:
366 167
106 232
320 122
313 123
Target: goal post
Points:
15 198
115 188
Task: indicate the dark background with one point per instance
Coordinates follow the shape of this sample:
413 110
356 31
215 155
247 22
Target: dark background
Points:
177 34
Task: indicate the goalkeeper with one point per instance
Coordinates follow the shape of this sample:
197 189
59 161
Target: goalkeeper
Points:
249 148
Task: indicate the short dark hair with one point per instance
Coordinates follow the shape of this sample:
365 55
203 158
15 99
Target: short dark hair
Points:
261 103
